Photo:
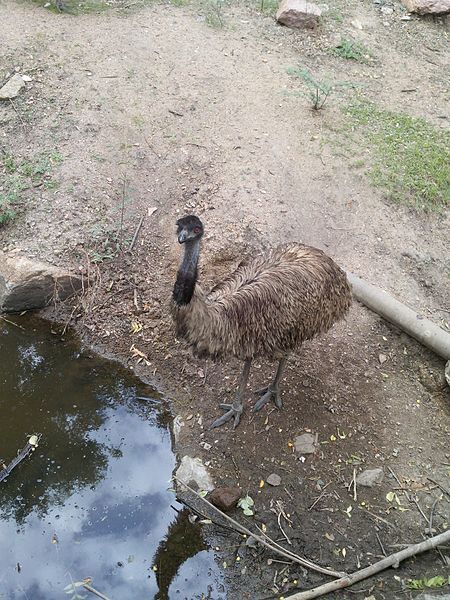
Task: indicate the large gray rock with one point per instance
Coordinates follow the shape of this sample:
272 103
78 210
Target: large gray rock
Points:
298 13
192 470
428 7
26 284
12 87
430 596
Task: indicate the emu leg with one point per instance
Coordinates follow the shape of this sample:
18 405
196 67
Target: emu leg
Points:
272 390
234 410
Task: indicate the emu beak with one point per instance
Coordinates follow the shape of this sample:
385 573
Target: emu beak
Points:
183 236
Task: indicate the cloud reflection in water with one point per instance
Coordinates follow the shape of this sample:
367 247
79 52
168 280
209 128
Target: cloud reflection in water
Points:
97 483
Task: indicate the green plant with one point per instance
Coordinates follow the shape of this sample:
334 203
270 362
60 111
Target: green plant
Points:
433 583
350 50
269 6
213 13
336 15
410 157
317 91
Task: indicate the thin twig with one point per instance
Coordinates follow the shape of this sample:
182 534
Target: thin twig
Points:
414 499
381 544
379 518
271 544
320 497
89 588
399 483
136 233
381 565
12 323
439 486
430 524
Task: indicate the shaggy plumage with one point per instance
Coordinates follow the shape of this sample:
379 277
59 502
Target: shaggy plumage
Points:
268 307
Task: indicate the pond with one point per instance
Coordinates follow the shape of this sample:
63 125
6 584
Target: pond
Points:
93 500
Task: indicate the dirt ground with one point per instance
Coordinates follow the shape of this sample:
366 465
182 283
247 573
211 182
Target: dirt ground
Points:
157 114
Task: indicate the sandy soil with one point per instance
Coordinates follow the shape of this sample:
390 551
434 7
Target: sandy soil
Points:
200 119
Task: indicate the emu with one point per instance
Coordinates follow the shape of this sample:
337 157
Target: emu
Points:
268 307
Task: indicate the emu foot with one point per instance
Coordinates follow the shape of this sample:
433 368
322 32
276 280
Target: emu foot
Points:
268 393
233 412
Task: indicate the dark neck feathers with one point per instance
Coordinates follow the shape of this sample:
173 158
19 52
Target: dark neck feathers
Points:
187 274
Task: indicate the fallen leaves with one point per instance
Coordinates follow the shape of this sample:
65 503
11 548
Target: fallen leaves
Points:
135 353
135 327
246 503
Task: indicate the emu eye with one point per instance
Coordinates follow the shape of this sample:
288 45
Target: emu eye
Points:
197 229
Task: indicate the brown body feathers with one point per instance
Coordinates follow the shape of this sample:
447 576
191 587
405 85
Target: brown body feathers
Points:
268 307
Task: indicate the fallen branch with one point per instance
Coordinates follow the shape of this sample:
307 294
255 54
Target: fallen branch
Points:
390 561
21 455
262 540
423 330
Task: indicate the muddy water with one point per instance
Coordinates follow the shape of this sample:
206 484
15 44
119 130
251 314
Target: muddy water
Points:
93 499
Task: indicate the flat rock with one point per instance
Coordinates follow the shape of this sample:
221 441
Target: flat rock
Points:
298 13
26 284
428 7
12 87
426 596
225 498
370 477
274 480
192 470
306 443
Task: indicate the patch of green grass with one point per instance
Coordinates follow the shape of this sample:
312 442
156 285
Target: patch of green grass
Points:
351 50
411 157
19 174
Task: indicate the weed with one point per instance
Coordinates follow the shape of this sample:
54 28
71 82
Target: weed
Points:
213 13
269 6
336 15
433 582
22 174
317 92
411 157
351 50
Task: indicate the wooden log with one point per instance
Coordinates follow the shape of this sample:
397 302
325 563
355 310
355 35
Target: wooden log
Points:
423 330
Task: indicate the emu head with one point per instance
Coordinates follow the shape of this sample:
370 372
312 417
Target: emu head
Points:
189 228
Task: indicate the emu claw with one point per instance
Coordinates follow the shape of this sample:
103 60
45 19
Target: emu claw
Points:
232 413
268 393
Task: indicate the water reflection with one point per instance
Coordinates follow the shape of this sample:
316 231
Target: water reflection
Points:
92 501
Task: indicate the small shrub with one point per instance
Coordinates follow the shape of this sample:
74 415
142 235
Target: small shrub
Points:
317 91
350 50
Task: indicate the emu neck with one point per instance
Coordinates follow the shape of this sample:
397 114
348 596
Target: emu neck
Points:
187 274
